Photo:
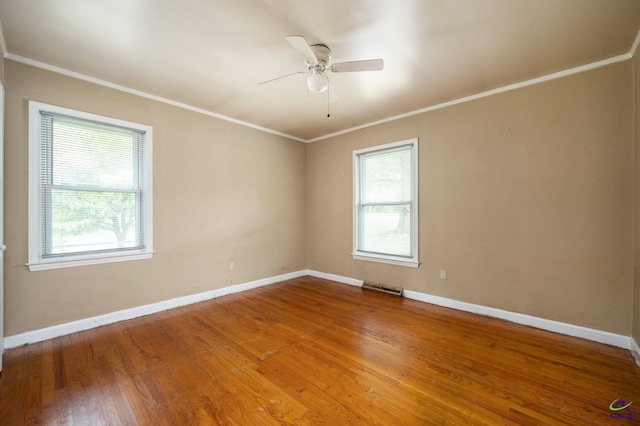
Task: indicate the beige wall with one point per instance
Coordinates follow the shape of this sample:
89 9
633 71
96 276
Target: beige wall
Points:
221 192
636 259
526 199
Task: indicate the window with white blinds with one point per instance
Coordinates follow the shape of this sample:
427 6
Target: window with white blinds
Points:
386 203
89 188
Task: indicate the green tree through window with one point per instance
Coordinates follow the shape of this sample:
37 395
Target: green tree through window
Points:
90 196
385 196
91 182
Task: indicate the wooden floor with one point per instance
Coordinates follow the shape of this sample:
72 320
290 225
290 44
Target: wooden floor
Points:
309 351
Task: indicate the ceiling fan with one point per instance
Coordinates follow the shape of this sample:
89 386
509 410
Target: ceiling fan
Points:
318 60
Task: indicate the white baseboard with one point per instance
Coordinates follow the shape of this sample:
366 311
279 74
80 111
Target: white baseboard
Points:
635 350
600 336
337 278
544 324
113 317
34 336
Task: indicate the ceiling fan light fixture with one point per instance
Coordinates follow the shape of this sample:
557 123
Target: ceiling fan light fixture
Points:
317 82
317 59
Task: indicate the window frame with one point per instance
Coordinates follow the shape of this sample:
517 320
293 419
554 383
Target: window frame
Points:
409 261
36 262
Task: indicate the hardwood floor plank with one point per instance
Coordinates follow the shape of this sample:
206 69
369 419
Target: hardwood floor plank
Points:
309 351
34 388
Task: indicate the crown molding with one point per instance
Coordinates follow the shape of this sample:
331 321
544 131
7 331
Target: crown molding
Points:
526 83
84 77
576 70
634 46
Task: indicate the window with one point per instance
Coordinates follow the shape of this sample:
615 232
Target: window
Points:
386 203
90 197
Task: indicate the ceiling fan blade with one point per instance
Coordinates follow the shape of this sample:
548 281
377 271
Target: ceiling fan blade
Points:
300 44
283 76
366 65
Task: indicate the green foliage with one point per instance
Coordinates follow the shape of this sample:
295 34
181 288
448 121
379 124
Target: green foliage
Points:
78 212
93 179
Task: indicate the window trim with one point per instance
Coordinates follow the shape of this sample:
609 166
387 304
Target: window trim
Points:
35 260
412 261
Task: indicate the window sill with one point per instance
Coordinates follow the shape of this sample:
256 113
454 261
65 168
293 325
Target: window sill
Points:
85 261
410 263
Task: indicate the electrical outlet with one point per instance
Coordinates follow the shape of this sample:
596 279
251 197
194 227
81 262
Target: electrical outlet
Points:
443 274
232 265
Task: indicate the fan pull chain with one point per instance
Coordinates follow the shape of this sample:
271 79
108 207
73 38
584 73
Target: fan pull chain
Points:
328 89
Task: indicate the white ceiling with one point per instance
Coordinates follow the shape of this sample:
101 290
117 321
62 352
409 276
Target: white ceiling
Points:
212 54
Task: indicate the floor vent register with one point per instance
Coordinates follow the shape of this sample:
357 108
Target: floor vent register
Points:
382 288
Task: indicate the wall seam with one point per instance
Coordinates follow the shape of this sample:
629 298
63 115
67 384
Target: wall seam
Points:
634 197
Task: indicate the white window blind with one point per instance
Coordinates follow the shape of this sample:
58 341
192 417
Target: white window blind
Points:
386 203
91 190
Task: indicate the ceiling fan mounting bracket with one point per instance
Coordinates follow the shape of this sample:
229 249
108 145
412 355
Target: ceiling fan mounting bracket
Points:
323 54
